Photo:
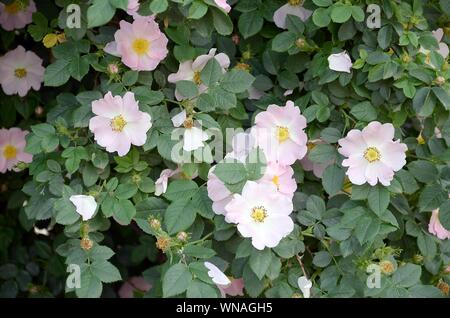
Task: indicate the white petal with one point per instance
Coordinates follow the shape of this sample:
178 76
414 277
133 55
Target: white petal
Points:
216 274
340 62
305 286
179 119
194 138
85 205
111 48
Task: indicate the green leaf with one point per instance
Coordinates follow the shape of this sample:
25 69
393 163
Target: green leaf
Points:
130 78
407 275
176 280
187 88
211 73
125 191
124 211
222 22
431 197
444 214
230 172
341 13
79 67
90 285
423 171
99 13
358 13
378 199
158 6
333 179
181 189
57 73
260 261
321 17
321 259
443 95
364 111
199 289
198 251
322 153
197 10
250 23
105 271
237 81
283 41
179 216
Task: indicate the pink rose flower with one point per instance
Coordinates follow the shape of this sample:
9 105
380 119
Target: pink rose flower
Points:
443 47
161 183
279 132
191 70
141 45
340 62
223 5
132 286
17 14
133 7
20 71
235 288
282 177
435 227
193 134
119 123
261 213
218 193
371 154
293 7
12 148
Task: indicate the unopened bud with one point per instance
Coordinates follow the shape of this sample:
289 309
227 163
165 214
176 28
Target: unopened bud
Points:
163 243
39 111
247 55
406 58
417 258
182 236
155 224
300 43
443 286
235 38
242 67
113 68
440 80
387 267
86 243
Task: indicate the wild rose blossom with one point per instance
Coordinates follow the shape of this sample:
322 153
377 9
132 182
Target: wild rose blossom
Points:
235 288
443 47
292 7
305 286
340 62
191 70
193 136
12 148
279 132
282 177
372 155
435 227
17 14
85 205
119 123
141 45
261 213
20 71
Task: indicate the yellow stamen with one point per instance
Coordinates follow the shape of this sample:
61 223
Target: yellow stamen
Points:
20 72
282 133
294 2
141 46
276 181
372 154
13 7
310 146
197 78
118 123
9 152
259 213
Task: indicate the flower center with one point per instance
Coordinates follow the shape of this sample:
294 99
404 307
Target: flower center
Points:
197 78
9 152
141 46
282 133
188 123
20 72
259 213
294 2
16 6
310 146
118 123
276 181
372 154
